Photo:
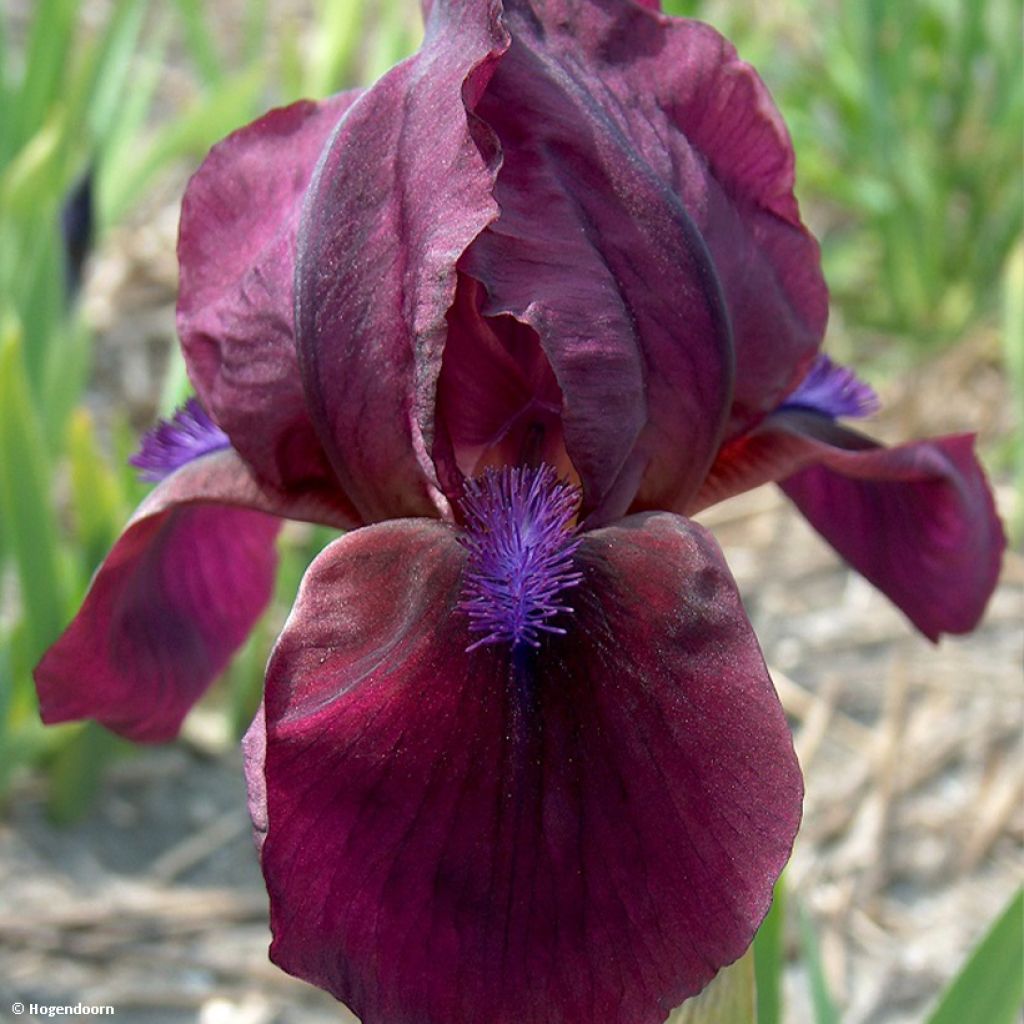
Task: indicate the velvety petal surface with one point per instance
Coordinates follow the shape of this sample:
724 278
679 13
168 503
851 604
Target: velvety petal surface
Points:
582 833
646 197
404 187
917 520
236 249
173 600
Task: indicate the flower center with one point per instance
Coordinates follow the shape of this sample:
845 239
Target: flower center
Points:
521 540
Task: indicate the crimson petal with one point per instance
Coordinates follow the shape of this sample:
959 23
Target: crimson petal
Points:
917 520
174 599
646 197
497 399
583 833
236 248
403 188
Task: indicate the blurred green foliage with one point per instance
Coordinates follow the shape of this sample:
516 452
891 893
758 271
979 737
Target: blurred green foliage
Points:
990 986
82 101
907 119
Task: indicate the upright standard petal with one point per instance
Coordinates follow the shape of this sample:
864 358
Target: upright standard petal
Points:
404 187
582 831
647 203
917 520
174 599
236 249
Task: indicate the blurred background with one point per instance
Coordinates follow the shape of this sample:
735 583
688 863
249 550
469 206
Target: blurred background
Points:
127 876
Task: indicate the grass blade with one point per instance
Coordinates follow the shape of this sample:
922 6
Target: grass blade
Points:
329 66
1013 349
46 67
825 1011
77 769
199 40
6 97
29 522
99 504
397 35
990 986
218 112
122 140
106 90
69 359
770 959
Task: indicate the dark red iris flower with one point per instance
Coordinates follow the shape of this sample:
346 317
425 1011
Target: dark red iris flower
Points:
516 773
516 312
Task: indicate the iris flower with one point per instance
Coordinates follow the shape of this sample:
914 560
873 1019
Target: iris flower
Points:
511 317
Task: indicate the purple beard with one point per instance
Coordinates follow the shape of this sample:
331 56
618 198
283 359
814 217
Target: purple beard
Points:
520 542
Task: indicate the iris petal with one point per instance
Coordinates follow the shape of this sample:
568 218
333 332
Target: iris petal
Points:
173 600
917 520
497 398
236 250
647 205
599 256
404 186
582 833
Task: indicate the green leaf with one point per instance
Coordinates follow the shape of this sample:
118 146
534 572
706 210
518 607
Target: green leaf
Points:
397 36
329 65
25 504
98 499
76 771
46 66
199 40
122 140
825 1011
217 112
254 35
34 174
6 95
36 294
245 677
106 89
68 351
1013 348
990 986
729 999
176 388
769 960
23 738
